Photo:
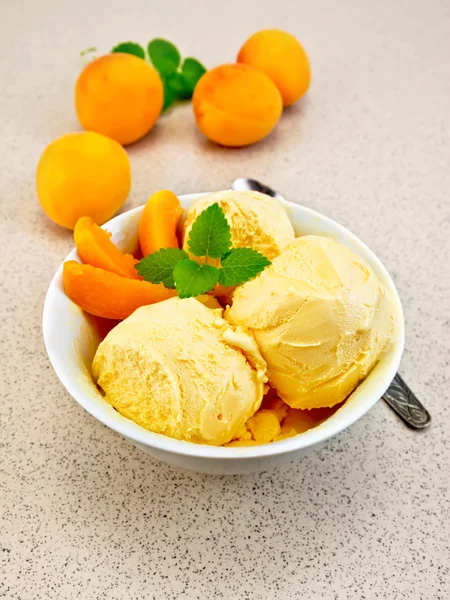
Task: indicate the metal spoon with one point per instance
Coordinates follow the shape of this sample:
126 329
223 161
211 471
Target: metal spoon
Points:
399 396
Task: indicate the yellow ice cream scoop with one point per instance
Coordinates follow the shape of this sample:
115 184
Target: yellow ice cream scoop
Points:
256 221
320 317
177 368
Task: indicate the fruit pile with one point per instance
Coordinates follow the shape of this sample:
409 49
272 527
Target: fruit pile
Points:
120 96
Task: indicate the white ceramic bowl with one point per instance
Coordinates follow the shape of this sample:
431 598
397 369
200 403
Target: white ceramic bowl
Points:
71 342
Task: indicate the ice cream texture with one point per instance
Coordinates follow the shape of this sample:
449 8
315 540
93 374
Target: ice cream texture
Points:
256 221
179 369
321 319
275 421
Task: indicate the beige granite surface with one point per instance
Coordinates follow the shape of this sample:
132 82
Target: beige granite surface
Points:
83 514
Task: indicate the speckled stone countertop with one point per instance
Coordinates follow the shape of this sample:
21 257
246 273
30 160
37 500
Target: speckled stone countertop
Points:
83 514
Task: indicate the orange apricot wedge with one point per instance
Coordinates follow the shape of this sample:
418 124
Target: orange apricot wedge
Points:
158 223
95 248
105 294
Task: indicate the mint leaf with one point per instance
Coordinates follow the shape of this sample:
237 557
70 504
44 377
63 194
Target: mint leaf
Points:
169 94
210 233
164 56
193 279
159 266
130 48
191 72
179 86
175 88
240 265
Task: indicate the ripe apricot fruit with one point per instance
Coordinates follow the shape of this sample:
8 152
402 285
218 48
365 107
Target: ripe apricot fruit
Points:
82 174
158 222
105 294
281 56
236 105
95 248
119 95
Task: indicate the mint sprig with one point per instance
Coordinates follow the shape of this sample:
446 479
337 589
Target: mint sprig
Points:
159 266
191 71
178 87
165 56
193 279
209 238
169 94
240 265
179 81
130 48
210 233
179 77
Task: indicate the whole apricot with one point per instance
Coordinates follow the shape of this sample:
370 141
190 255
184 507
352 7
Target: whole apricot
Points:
82 174
281 56
119 95
236 105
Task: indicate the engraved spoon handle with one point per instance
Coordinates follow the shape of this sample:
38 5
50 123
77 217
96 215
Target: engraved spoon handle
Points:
405 403
399 396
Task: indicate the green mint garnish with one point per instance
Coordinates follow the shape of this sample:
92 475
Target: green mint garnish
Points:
191 72
210 238
210 233
178 78
169 94
179 82
240 265
164 56
193 279
158 267
130 48
179 86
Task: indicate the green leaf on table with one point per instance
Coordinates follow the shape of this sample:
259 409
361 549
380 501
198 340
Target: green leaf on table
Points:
130 48
241 265
164 56
158 267
169 94
193 279
175 88
191 72
179 86
210 233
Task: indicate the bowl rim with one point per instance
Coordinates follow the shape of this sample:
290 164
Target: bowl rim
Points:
139 435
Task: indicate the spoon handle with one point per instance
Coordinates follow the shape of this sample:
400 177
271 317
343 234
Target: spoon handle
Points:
405 403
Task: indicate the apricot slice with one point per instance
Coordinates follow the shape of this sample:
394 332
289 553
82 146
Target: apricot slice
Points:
106 294
159 220
95 248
